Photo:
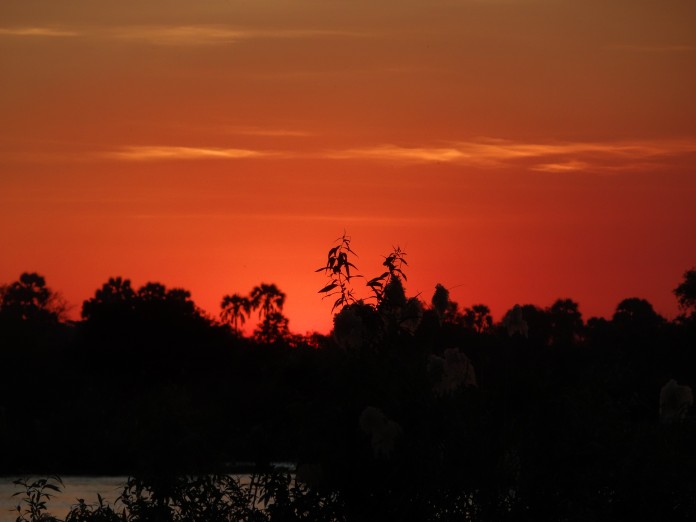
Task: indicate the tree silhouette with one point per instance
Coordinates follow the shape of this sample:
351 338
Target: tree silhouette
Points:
30 300
235 309
440 300
168 308
566 321
448 313
267 299
636 313
272 329
515 323
118 310
686 292
393 296
478 318
152 292
115 298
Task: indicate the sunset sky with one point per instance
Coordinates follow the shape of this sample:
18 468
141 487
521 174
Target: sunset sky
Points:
518 150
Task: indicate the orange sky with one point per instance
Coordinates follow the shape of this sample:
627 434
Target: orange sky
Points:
517 150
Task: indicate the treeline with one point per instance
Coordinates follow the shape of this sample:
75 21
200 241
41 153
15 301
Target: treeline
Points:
144 380
408 410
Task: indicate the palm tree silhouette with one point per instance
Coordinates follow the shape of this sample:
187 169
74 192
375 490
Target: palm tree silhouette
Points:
478 318
267 299
235 308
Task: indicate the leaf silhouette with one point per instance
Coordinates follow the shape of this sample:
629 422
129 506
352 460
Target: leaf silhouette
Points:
328 288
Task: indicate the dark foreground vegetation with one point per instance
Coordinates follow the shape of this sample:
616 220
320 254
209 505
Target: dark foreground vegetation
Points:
271 495
409 410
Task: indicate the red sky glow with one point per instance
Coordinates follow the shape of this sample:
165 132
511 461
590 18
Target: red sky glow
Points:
518 151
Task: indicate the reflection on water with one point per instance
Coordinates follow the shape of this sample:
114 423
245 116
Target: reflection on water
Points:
74 488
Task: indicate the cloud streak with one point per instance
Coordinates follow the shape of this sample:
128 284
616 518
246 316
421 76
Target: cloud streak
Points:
159 153
36 31
567 166
213 34
177 35
545 157
483 153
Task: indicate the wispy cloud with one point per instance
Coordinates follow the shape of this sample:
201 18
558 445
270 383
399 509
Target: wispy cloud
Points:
398 153
155 153
482 153
567 166
549 157
213 34
176 35
36 31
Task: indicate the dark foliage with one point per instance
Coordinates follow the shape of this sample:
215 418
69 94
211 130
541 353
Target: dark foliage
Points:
406 412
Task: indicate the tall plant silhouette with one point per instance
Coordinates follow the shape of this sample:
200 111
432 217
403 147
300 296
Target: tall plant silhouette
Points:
235 309
337 269
390 279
